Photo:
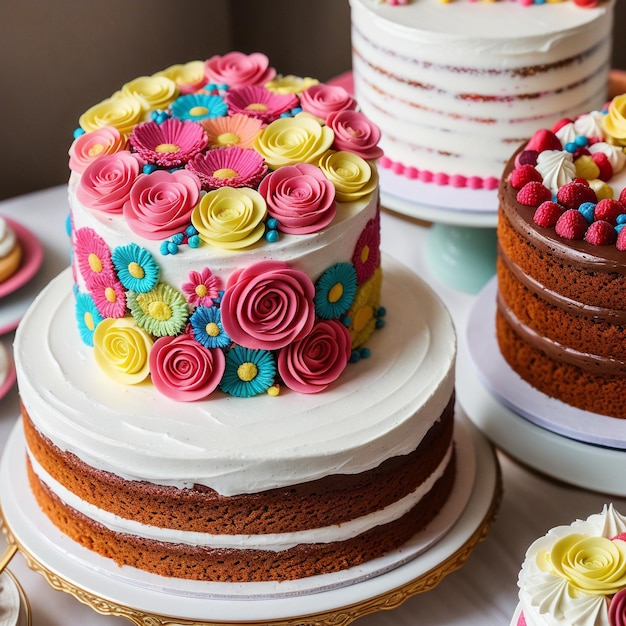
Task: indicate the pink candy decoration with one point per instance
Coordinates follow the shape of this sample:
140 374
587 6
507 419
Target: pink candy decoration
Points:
160 203
268 305
237 69
321 100
300 197
315 361
354 132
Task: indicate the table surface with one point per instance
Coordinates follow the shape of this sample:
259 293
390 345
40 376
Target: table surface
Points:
483 592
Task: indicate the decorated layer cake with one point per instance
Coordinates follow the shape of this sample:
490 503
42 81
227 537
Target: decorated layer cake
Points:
456 86
576 575
561 305
213 390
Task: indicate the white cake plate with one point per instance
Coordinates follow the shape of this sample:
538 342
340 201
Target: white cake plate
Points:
507 422
110 590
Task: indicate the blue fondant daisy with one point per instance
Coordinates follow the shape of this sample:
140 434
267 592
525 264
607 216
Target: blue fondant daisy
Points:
248 372
87 316
207 327
136 268
198 106
335 290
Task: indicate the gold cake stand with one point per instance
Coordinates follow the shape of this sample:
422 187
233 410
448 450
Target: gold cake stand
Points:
384 592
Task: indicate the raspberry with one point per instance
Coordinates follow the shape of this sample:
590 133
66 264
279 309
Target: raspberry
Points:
622 196
620 244
608 210
533 194
522 175
547 214
544 139
526 157
600 233
572 195
571 225
604 165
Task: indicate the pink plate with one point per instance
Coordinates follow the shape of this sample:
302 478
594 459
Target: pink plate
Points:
31 261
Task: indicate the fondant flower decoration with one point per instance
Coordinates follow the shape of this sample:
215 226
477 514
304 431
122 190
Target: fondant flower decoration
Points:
352 176
136 268
293 140
108 294
300 197
321 100
169 144
335 290
248 372
311 364
121 350
229 218
290 84
366 256
234 130
161 311
268 305
355 133
89 146
362 313
260 103
615 121
93 254
189 77
121 112
87 316
183 370
160 204
152 92
617 609
106 182
208 328
237 69
228 167
198 106
203 288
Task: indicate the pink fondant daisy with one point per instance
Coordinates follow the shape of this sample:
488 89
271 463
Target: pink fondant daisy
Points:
228 167
108 295
234 130
93 254
260 103
169 144
203 288
366 256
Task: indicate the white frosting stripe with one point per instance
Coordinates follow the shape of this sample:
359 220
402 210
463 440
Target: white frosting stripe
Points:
271 541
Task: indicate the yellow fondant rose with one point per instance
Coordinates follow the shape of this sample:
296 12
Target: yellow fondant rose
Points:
121 350
352 175
594 565
292 140
230 218
121 112
615 121
152 92
290 84
185 75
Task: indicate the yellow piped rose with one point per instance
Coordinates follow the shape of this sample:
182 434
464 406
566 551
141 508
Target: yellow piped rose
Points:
152 92
352 176
293 140
121 112
615 121
594 565
121 350
230 218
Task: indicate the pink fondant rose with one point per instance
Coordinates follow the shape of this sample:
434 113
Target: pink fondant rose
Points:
321 100
160 203
237 69
300 197
354 132
312 363
617 609
87 147
183 369
268 305
106 183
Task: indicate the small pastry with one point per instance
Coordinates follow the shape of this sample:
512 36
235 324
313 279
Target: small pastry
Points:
10 251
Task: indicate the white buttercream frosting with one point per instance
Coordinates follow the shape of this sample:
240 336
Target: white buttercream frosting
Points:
556 168
7 238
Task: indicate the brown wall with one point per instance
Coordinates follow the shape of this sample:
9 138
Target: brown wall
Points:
58 57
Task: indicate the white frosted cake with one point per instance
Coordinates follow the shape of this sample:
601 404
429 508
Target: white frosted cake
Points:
456 86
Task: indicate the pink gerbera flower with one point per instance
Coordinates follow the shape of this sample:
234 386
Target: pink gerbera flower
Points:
169 144
108 295
234 130
260 103
366 256
92 253
203 288
228 167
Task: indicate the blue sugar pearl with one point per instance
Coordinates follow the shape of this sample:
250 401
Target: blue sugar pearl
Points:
571 146
621 218
587 209
172 248
164 249
382 311
380 323
161 117
223 87
355 356
366 353
619 227
296 110
271 236
78 132
194 241
148 168
178 238
272 223
154 115
346 321
190 231
581 141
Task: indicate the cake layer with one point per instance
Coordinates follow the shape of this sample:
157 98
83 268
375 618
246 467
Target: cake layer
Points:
455 86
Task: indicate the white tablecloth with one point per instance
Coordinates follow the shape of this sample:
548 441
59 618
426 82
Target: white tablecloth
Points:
482 593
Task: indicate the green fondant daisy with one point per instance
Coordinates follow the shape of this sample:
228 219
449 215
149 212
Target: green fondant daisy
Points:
161 311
